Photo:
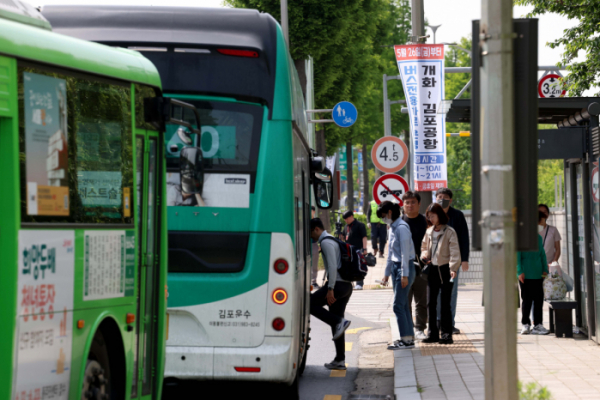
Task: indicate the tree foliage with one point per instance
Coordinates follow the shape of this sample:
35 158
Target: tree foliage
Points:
581 38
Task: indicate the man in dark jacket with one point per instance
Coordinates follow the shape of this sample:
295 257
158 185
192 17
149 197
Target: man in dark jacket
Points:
458 222
356 235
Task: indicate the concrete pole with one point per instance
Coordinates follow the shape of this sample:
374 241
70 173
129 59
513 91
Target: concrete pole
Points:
418 30
498 200
284 22
387 129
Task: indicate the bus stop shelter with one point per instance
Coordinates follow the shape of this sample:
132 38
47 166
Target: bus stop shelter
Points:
575 139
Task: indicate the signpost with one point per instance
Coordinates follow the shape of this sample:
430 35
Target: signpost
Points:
389 154
551 86
344 114
389 187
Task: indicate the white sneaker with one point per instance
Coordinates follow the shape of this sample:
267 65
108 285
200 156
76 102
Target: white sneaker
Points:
526 329
539 330
358 287
336 365
420 335
341 328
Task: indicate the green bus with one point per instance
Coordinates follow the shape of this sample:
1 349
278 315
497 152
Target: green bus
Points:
240 254
84 235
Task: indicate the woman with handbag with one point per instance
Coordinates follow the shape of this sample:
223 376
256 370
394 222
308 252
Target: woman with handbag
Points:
532 267
441 254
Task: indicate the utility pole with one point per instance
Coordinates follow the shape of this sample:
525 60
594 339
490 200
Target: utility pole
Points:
284 22
418 32
498 199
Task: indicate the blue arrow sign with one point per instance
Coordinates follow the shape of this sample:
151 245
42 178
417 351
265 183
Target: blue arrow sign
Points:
344 114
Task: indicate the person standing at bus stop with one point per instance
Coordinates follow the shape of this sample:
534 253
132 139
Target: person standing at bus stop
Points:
335 293
418 291
457 221
356 235
378 230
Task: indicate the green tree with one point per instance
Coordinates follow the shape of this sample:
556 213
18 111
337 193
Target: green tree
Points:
580 39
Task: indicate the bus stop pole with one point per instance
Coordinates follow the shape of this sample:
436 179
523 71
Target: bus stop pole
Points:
498 199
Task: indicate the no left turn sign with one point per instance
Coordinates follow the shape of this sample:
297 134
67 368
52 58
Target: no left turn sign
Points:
389 187
389 154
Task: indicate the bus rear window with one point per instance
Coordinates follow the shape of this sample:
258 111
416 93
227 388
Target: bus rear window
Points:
229 141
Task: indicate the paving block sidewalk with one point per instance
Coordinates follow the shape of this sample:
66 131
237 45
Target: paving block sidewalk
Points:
569 368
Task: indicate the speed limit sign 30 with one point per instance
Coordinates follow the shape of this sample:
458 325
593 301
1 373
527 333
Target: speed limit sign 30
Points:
389 154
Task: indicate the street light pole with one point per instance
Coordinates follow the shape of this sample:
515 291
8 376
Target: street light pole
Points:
434 28
498 199
418 33
284 22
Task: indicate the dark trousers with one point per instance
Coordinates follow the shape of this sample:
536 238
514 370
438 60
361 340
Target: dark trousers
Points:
532 291
438 280
418 292
342 292
378 234
361 283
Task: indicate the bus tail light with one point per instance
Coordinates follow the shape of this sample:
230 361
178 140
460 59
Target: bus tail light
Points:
239 53
247 369
281 266
278 324
280 296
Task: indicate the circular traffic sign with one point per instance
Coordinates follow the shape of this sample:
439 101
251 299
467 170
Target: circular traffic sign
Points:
551 86
344 114
389 187
389 154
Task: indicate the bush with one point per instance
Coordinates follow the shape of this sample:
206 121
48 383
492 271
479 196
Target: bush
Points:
533 391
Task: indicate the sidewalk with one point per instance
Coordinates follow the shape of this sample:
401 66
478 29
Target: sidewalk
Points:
569 368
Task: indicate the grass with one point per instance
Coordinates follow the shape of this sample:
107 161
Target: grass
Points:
533 391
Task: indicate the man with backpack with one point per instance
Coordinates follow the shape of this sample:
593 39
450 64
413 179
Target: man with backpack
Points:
335 293
356 235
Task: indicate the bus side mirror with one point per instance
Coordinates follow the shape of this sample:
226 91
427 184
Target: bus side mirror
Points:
323 188
317 164
191 170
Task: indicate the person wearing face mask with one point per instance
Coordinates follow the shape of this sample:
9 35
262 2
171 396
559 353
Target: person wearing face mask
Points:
550 236
440 251
400 266
457 221
532 267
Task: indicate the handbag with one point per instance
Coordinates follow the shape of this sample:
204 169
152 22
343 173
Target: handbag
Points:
554 287
371 260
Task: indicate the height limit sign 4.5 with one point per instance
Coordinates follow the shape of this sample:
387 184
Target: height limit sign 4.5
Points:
389 154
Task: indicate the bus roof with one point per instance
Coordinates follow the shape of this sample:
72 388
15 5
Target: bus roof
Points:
25 13
200 28
27 42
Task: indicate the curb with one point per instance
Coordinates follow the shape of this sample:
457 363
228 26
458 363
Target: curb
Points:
405 379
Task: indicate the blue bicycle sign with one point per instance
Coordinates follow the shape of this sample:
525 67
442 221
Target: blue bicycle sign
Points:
344 114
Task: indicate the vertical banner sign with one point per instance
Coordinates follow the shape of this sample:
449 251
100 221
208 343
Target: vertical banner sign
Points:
343 163
422 71
44 315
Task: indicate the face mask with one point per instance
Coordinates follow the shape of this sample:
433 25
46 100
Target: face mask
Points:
540 228
387 220
443 202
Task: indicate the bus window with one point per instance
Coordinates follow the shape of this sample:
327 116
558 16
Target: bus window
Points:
230 145
75 143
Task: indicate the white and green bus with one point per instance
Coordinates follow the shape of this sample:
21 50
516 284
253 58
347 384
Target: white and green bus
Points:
240 254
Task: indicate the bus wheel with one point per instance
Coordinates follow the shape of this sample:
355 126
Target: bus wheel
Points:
98 382
292 392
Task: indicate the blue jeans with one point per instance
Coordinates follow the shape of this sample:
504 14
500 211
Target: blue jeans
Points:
452 301
401 303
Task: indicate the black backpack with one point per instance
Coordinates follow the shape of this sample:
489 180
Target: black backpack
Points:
354 266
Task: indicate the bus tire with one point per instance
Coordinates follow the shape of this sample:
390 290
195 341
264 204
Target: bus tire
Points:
103 378
292 392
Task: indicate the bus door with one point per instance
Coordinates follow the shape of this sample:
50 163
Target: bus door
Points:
148 169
